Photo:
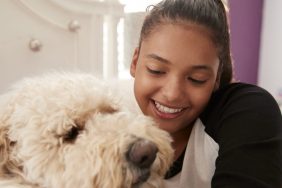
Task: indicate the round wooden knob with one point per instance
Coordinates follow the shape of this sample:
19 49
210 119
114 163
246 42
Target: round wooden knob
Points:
35 45
74 26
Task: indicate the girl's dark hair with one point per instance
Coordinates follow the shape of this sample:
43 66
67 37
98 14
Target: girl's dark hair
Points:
208 13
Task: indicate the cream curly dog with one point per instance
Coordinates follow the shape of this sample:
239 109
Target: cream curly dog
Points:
67 130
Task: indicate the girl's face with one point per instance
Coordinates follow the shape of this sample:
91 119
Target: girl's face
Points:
175 73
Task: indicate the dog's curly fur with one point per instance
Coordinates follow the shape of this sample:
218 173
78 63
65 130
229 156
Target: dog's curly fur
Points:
68 130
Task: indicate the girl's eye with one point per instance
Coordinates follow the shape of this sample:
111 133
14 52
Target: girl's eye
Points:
155 71
197 81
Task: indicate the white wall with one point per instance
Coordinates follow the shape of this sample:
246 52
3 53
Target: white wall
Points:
270 69
71 34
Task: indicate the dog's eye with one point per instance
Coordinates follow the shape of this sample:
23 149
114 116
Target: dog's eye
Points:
71 135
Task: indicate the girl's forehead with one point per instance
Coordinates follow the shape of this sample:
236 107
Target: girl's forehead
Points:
181 43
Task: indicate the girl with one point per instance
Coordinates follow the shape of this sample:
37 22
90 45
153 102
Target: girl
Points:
224 134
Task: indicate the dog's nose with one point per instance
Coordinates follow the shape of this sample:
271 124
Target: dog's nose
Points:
142 153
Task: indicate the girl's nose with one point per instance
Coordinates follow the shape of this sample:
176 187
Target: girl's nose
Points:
173 90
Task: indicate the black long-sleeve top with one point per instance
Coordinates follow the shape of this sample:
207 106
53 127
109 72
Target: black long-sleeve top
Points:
246 123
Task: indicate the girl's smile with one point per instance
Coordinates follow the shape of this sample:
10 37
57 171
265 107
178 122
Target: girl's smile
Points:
165 112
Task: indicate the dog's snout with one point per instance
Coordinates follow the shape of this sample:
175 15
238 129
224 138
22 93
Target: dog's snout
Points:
142 153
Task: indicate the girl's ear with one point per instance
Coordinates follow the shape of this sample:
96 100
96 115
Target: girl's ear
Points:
218 77
216 85
134 62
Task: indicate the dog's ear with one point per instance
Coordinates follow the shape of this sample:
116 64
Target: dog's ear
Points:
4 148
7 166
3 145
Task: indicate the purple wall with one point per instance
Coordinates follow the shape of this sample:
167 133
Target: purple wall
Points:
245 28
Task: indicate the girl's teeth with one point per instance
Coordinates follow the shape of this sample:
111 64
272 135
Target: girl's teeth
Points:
166 109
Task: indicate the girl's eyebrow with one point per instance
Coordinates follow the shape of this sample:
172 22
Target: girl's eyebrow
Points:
158 58
202 67
194 67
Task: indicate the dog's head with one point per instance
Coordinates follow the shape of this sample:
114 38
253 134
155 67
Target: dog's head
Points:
69 130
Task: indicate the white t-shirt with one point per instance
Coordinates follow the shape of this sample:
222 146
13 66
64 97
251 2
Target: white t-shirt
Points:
199 161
